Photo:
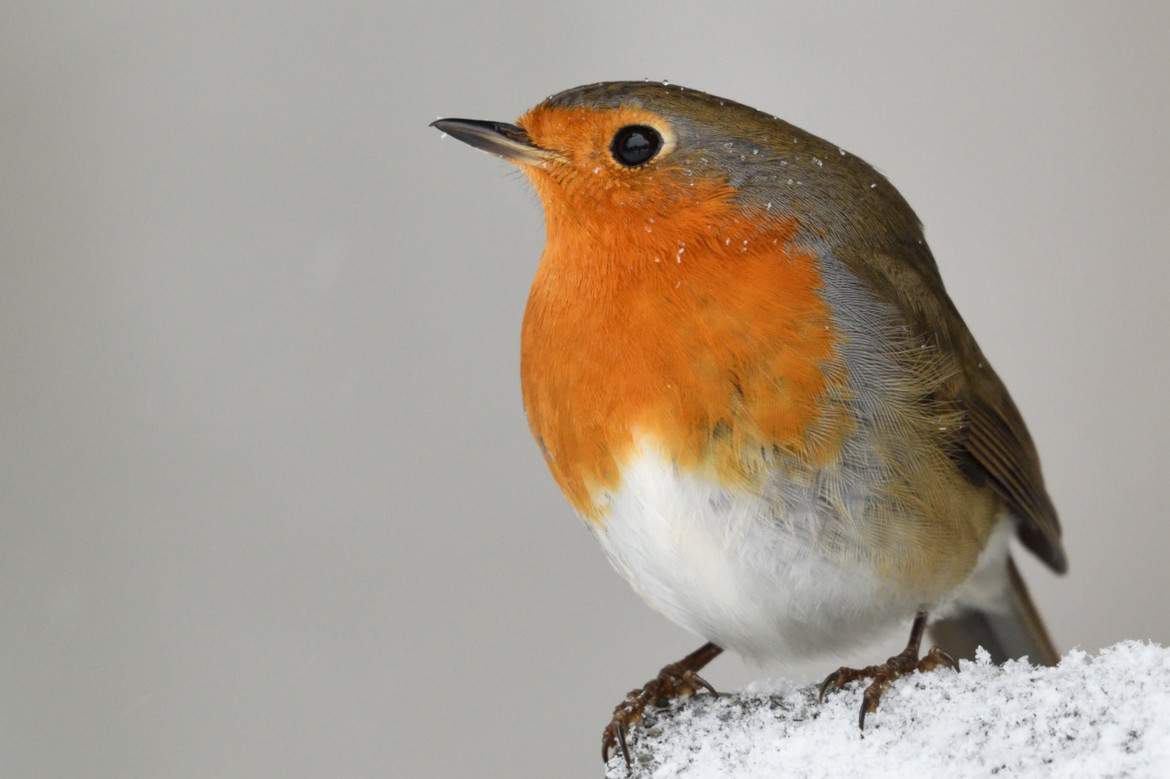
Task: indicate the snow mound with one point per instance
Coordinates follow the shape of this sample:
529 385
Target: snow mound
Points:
1102 716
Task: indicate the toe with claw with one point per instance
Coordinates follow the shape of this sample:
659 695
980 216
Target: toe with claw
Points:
894 668
673 681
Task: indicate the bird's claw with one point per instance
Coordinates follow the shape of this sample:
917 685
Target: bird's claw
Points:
672 681
884 675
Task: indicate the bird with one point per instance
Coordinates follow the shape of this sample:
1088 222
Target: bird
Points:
744 373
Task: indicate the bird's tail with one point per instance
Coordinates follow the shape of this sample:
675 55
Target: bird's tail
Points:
1012 630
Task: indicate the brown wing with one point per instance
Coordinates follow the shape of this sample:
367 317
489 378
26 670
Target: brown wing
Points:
998 441
997 449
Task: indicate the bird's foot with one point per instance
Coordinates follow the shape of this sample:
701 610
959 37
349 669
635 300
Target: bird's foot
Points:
673 681
884 675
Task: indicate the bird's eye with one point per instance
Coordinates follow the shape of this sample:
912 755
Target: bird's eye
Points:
635 144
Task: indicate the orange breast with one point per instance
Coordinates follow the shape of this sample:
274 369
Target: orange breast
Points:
687 325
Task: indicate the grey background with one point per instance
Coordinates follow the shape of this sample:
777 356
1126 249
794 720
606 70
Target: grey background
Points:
268 503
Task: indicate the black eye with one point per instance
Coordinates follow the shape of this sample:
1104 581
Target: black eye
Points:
635 144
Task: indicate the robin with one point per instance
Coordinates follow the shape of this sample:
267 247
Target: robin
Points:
743 370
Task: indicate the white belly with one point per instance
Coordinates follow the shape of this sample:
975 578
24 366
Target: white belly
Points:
733 569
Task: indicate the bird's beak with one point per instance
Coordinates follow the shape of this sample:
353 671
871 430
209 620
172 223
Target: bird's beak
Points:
506 140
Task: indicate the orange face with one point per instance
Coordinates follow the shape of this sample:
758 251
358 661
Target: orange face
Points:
664 311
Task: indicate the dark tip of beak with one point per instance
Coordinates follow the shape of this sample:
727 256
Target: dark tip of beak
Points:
505 140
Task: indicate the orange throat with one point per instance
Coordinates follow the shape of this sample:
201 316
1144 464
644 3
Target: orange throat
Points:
684 320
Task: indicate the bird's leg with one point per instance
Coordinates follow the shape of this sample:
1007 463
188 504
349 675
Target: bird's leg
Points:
897 666
681 678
